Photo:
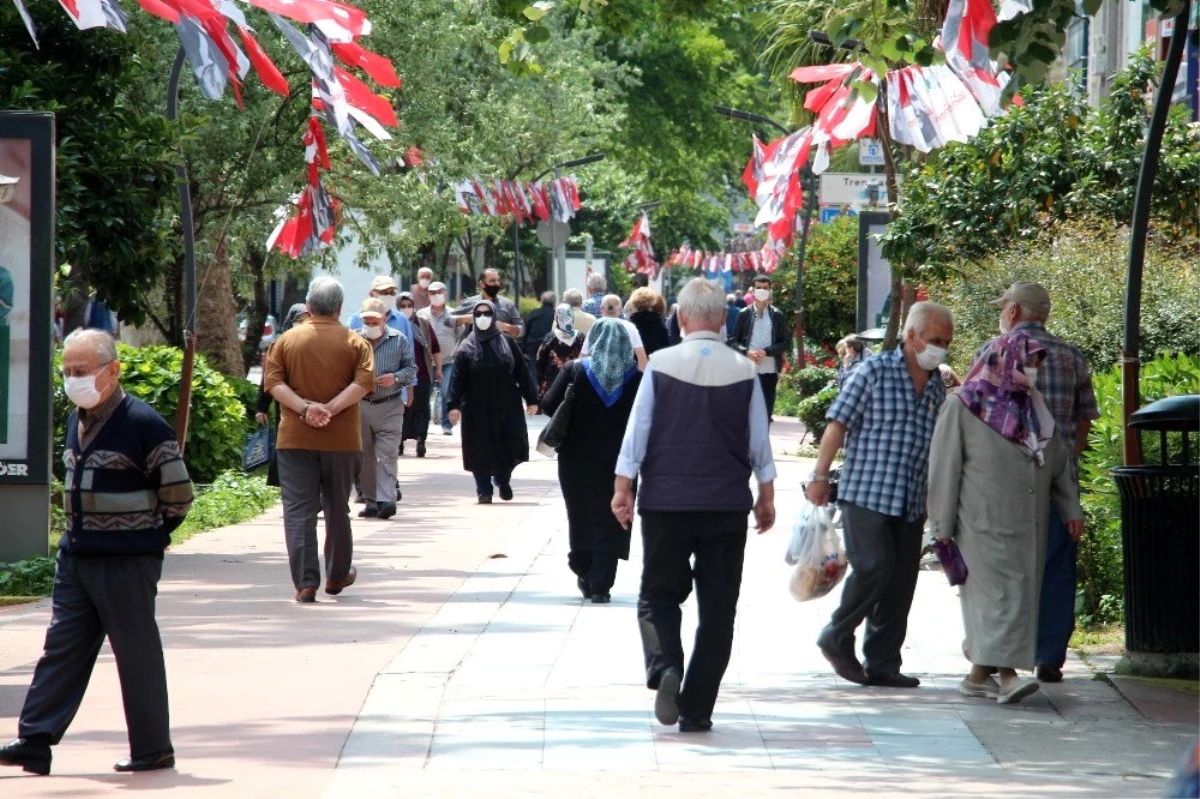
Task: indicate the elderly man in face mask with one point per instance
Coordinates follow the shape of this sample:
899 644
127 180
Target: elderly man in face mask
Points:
382 411
761 334
444 327
420 289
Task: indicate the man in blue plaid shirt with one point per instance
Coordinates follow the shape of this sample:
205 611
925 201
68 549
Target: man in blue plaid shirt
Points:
1066 384
885 414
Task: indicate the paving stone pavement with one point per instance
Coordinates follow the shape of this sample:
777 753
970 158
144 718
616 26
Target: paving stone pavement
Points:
465 663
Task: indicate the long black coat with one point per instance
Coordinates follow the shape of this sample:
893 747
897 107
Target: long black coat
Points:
653 329
587 461
488 392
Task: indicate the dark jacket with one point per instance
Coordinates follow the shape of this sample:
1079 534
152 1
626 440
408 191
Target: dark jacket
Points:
653 330
489 391
536 327
780 334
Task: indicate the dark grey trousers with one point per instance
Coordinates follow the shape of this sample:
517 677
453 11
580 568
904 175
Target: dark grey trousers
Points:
309 481
669 541
93 597
884 553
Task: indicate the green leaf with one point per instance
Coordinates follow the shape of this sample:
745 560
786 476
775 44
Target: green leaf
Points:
536 34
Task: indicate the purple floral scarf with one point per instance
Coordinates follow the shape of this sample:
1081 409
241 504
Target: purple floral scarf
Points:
997 391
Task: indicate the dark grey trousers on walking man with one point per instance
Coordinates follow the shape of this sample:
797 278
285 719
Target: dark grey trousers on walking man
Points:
97 596
312 481
885 555
669 540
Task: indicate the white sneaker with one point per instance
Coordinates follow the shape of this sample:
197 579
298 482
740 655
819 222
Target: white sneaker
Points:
988 689
1017 690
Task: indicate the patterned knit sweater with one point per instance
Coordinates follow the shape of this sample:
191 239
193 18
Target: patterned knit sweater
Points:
128 489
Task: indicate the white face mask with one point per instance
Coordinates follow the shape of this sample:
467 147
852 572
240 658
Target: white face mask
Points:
931 357
82 391
372 332
424 282
408 312
762 295
1031 375
437 300
483 322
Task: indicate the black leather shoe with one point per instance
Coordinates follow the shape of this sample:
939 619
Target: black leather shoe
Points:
369 512
583 587
387 510
896 680
601 599
666 701
420 448
1049 673
150 762
485 499
506 493
33 758
847 667
694 725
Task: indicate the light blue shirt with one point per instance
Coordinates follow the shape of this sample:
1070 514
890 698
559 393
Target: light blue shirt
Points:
637 431
395 320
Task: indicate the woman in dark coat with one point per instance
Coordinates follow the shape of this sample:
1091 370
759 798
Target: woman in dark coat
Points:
561 345
648 307
490 379
605 384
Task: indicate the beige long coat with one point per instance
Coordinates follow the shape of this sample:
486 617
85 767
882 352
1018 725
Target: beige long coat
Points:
992 498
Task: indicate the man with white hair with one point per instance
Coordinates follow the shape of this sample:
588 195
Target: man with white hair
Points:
596 286
697 430
885 414
610 307
318 371
420 289
583 320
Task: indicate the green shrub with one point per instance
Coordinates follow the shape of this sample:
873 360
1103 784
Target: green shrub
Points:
1082 265
1101 576
812 379
247 394
29 577
812 411
830 283
218 421
233 498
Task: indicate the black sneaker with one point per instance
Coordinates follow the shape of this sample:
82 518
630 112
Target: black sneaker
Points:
666 701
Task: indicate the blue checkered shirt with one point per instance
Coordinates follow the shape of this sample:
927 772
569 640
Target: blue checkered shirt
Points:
888 429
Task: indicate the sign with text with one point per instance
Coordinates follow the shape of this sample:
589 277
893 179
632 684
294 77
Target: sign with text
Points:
870 152
852 188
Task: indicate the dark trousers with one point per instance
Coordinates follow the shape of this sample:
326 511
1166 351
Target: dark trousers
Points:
769 385
416 416
669 540
884 553
313 480
1056 613
93 597
597 569
483 481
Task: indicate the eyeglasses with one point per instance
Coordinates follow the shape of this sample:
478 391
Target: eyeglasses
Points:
386 292
78 372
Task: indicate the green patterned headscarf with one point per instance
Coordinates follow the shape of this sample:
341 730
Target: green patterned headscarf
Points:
610 363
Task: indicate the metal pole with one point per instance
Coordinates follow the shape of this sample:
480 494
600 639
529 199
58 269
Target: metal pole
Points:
1130 392
185 201
810 200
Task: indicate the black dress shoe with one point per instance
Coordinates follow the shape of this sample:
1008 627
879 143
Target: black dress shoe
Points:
387 510
666 701
694 725
485 499
601 599
33 758
845 666
506 493
896 680
420 448
1049 673
583 587
150 762
369 512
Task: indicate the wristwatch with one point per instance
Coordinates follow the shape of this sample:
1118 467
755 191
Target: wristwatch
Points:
813 477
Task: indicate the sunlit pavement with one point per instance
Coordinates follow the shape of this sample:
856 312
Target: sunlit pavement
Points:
464 662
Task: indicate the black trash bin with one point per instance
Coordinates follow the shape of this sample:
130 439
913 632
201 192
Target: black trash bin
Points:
1160 533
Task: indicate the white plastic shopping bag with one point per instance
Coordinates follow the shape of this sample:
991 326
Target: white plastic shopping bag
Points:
817 553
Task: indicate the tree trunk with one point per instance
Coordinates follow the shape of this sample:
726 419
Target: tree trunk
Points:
216 317
893 190
256 262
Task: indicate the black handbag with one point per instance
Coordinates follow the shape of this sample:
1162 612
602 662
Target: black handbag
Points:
554 434
258 447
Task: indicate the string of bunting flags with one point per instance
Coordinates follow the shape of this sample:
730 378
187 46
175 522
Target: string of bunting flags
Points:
340 99
556 199
642 258
764 260
928 107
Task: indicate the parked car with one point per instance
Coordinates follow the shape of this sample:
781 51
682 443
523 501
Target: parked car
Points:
268 334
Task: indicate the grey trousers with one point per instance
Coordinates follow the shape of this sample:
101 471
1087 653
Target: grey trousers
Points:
382 427
884 553
93 597
311 480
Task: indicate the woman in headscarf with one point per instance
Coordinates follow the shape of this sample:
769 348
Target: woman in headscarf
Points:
561 345
296 315
605 384
489 381
428 355
995 465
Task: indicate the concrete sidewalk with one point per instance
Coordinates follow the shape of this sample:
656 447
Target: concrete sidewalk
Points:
465 662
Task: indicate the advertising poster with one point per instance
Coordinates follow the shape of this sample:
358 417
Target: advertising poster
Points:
15 181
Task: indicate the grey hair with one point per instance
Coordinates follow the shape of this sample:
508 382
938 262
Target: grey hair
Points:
324 296
550 297
612 304
1030 314
103 343
920 313
573 297
596 282
424 270
702 301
